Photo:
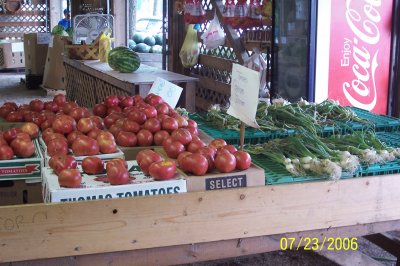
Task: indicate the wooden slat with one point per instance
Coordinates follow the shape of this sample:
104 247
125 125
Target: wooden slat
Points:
216 62
11 35
194 253
215 85
69 229
386 242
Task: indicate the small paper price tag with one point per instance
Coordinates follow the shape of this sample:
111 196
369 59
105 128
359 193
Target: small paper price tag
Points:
51 42
43 38
17 47
167 90
244 94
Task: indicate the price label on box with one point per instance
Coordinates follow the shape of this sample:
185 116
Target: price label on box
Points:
43 38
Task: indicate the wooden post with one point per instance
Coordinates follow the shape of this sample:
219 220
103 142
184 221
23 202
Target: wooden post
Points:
120 21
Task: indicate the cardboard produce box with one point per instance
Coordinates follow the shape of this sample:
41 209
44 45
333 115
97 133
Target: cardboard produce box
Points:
12 55
54 71
15 192
93 187
79 159
35 48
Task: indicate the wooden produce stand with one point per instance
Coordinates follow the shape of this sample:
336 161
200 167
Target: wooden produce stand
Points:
89 81
196 226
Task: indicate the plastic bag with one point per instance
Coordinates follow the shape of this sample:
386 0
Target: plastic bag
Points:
257 62
214 35
104 46
190 50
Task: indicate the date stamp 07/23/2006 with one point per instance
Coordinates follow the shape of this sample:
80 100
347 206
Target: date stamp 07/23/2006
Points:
315 243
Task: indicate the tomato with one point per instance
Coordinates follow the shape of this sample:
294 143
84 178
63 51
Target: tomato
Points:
60 99
94 133
68 106
225 162
11 105
149 111
152 125
4 111
192 123
130 126
126 101
98 121
163 170
106 142
209 151
114 130
60 162
193 130
162 108
174 149
231 148
182 122
147 160
78 113
57 146
22 147
51 106
111 119
144 153
137 99
218 143
100 109
85 125
117 174
36 105
93 165
70 178
243 160
64 124
52 136
6 153
144 137
182 155
114 109
119 161
137 116
10 134
169 124
153 99
195 163
182 135
160 136
85 146
31 129
126 139
111 101
15 117
195 145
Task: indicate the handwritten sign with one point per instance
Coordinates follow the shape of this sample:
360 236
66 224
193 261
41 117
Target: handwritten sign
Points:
244 94
167 90
43 38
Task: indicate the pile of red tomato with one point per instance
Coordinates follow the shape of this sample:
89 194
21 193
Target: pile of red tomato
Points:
18 141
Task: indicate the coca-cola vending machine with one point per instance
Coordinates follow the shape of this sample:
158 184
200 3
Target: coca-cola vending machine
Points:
354 52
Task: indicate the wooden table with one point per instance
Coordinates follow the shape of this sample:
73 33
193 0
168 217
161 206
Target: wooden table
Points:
197 226
89 81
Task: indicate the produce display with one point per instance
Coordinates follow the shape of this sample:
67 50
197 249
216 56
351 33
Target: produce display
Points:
123 59
141 43
17 142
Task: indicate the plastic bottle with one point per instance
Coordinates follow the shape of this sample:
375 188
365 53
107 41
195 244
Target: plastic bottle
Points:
240 14
254 18
229 12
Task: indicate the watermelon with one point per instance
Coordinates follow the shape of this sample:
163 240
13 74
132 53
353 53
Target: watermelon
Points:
123 59
138 38
159 39
157 49
142 48
131 44
149 40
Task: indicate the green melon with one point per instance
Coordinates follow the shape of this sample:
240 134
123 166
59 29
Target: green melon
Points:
142 48
157 49
159 39
131 44
123 59
138 38
149 40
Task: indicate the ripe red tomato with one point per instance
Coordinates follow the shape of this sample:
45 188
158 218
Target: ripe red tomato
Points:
6 153
182 122
64 124
231 148
193 130
143 153
70 178
92 165
22 147
182 155
126 139
111 119
85 146
117 174
106 142
174 149
243 160
52 136
85 125
57 146
36 105
160 136
60 99
10 134
163 170
137 99
78 113
51 106
192 123
195 163
4 111
162 108
153 99
114 109
126 101
11 105
182 135
72 137
137 116
152 125
169 124
218 143
15 117
68 106
94 133
147 159
111 101
100 109
130 126
98 121
119 161
144 137
60 162
195 145
225 162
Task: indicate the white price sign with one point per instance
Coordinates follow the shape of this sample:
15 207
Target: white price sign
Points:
43 38
167 90
244 94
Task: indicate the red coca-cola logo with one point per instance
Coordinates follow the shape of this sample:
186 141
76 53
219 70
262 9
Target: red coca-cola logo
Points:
359 68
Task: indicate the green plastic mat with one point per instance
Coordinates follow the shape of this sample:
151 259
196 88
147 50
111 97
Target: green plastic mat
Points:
277 174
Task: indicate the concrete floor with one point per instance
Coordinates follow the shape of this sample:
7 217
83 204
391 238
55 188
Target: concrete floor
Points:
12 89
